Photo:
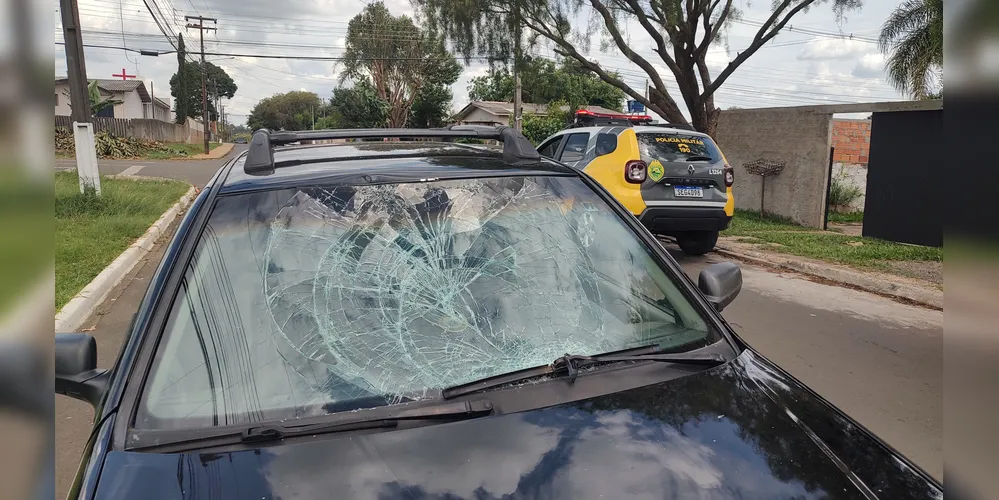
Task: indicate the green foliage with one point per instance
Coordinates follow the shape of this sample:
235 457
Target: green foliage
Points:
398 59
180 105
539 127
842 193
431 108
289 111
357 107
185 87
543 80
912 38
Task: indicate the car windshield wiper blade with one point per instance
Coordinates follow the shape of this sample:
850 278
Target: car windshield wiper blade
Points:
699 158
570 365
449 411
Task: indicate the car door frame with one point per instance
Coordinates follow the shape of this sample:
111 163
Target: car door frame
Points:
558 151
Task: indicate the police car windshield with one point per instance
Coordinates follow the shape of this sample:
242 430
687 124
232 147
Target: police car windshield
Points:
677 147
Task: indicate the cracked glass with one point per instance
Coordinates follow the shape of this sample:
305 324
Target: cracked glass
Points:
303 302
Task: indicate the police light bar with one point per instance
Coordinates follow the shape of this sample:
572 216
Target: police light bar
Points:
586 114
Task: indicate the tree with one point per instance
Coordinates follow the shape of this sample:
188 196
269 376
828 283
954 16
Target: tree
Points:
397 57
185 87
912 38
357 107
680 32
289 111
432 107
543 81
180 105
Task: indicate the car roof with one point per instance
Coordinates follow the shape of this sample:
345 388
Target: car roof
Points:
378 161
637 128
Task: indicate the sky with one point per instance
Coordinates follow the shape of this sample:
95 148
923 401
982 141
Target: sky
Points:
815 61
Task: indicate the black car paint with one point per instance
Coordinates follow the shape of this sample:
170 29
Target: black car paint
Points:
809 440
736 431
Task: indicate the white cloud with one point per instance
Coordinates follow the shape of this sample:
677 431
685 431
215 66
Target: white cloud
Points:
833 48
869 66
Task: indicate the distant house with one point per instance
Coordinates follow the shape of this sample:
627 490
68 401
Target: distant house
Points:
137 102
499 112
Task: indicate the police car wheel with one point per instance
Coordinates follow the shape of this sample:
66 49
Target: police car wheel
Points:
697 242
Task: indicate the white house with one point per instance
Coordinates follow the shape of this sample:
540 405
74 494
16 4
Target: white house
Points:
136 101
498 112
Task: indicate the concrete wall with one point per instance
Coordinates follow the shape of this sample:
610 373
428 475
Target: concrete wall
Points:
851 140
131 106
798 136
62 100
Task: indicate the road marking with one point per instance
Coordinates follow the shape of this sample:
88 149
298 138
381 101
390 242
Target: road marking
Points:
134 169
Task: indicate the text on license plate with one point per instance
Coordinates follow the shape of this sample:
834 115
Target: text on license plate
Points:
688 192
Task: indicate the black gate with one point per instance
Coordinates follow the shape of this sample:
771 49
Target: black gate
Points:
907 168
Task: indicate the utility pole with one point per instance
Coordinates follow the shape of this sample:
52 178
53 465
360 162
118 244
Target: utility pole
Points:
517 100
204 88
79 99
76 67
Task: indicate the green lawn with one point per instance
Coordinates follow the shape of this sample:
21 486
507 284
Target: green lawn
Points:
846 217
90 232
784 236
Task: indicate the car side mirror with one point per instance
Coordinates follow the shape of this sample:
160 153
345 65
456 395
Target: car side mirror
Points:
721 283
76 372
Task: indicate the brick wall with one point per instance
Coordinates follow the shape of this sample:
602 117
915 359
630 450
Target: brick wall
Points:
798 137
852 140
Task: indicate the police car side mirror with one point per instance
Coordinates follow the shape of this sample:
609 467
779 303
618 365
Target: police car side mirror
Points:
720 283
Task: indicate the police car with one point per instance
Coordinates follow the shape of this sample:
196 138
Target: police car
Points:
674 179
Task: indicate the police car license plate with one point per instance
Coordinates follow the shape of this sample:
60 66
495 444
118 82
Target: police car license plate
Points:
688 192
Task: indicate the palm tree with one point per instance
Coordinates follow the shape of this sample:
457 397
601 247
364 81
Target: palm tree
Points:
912 38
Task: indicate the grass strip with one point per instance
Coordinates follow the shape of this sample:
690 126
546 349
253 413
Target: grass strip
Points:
91 231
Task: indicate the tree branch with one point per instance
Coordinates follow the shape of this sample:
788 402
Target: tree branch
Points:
762 37
658 38
615 33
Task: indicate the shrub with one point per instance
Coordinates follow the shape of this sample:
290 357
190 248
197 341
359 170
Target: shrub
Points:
842 193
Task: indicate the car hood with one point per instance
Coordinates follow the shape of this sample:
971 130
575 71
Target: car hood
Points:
742 430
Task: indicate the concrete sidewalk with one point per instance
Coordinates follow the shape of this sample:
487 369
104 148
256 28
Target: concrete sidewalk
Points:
889 285
216 153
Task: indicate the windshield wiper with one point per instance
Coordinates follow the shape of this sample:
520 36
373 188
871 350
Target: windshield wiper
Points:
699 158
448 411
570 365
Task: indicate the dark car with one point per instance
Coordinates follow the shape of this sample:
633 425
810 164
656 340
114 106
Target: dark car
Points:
416 319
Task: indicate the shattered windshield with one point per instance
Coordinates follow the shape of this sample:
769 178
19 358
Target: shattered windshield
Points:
302 302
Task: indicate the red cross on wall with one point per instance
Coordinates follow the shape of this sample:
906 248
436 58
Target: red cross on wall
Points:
123 75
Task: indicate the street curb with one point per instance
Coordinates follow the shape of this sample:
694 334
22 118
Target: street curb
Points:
878 284
80 307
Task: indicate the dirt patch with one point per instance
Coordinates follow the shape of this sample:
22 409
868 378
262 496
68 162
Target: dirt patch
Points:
925 270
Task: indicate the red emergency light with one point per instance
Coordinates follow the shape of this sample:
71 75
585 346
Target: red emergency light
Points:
587 114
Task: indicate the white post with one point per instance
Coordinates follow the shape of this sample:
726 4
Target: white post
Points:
86 157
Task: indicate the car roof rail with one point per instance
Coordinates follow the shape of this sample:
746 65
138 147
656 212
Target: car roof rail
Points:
260 156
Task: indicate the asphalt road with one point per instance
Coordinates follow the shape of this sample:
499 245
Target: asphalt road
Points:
195 172
878 360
